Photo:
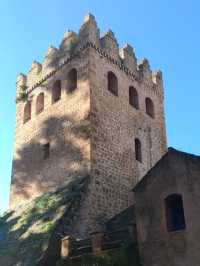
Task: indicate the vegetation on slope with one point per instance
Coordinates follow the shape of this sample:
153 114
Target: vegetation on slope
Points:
26 232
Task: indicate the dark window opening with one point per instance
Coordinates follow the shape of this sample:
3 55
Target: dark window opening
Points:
133 97
27 112
56 91
46 151
149 107
40 103
112 83
174 211
138 150
72 80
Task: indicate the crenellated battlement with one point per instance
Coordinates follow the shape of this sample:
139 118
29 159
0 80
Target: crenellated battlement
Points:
128 56
107 45
144 69
157 78
69 42
110 45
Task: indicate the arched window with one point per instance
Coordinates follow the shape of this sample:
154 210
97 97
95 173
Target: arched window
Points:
72 80
40 103
56 91
149 107
174 212
133 97
27 112
112 83
138 150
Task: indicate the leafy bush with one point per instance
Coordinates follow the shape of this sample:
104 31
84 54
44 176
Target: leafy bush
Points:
23 95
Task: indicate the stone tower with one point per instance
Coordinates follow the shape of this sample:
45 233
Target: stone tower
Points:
88 109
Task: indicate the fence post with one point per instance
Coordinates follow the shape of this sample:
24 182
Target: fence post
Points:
66 247
97 241
132 232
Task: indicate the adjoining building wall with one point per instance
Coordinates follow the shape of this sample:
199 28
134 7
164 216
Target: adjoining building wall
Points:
176 173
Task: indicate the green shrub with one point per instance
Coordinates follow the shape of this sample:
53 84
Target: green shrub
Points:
23 95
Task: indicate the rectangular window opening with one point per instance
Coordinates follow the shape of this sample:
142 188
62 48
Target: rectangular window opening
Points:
46 151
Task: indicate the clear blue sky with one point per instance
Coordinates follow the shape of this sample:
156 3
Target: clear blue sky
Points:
166 32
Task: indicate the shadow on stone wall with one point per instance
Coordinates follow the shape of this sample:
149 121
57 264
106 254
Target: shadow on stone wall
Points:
32 174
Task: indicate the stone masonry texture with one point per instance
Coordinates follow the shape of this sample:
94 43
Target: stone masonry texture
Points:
90 130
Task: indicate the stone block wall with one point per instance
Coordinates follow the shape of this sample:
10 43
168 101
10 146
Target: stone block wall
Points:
64 125
114 126
90 130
